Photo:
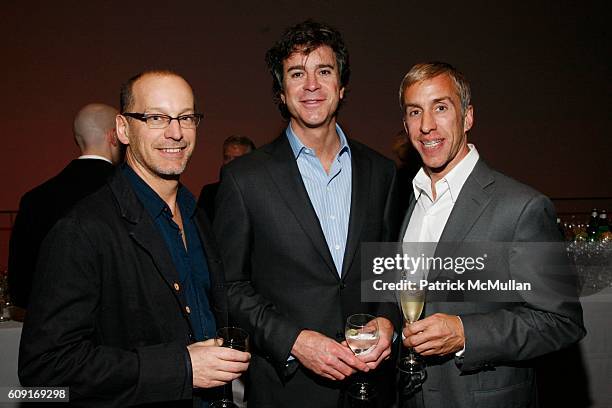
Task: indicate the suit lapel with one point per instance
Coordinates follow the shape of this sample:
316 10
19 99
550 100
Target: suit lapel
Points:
144 232
407 217
472 201
360 193
148 237
284 172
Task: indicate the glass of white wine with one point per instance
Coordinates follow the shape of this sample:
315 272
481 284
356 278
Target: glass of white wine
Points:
411 367
361 334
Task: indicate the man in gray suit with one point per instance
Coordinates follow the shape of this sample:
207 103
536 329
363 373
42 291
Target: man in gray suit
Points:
478 354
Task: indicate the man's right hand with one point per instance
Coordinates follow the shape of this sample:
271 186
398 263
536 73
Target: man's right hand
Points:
325 356
213 366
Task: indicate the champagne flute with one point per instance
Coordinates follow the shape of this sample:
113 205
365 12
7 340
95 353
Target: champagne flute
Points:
411 367
361 334
234 338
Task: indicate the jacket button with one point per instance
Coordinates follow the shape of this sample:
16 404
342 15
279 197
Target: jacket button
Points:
339 335
188 309
342 286
176 286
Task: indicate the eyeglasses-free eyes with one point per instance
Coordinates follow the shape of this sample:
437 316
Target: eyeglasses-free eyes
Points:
161 121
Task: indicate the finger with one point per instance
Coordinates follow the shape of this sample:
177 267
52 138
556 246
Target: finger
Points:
383 356
354 363
335 374
233 355
342 367
374 354
232 367
414 328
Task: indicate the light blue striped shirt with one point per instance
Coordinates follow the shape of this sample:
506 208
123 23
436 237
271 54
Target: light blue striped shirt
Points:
330 194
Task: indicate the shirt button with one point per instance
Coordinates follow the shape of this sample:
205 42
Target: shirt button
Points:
176 286
188 310
333 217
337 247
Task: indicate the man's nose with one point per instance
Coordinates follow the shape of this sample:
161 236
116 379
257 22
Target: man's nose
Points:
312 82
174 130
428 123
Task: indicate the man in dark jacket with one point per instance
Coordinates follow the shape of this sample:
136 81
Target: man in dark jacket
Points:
41 207
129 289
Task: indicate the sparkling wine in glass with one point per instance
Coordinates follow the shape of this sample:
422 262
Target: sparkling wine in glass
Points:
237 339
411 367
361 335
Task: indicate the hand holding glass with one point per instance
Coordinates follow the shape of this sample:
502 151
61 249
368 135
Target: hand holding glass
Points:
412 367
361 335
237 339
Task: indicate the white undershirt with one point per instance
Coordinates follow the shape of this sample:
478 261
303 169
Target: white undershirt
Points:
430 216
94 156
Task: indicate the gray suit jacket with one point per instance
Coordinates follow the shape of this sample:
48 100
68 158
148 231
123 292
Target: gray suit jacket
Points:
501 338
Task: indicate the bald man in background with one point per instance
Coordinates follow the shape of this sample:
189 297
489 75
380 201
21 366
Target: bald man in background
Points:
41 207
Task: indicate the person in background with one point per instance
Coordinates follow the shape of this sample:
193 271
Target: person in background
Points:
409 163
290 219
41 207
478 353
129 289
233 147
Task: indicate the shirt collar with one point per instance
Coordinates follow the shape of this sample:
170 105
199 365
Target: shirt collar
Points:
152 202
455 179
94 156
297 147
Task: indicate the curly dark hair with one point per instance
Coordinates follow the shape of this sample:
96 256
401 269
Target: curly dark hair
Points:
305 37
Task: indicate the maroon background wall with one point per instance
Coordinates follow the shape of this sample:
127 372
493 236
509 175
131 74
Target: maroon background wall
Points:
540 73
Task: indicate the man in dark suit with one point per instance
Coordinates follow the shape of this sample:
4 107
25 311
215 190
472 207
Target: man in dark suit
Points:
41 207
129 289
478 354
233 147
290 220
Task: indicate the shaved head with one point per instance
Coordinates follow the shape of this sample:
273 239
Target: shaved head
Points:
94 131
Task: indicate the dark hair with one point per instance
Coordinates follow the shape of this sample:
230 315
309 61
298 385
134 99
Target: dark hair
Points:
126 95
239 140
304 38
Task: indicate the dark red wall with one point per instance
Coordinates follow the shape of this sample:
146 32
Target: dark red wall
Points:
539 70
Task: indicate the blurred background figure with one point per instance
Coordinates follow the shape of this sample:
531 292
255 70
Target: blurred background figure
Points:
233 147
41 207
408 164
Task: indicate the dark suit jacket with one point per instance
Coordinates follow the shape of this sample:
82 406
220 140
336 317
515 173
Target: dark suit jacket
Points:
280 273
39 210
105 318
206 201
501 338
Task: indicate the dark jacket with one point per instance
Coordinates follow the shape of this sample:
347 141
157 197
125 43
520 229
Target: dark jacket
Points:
280 273
106 317
39 210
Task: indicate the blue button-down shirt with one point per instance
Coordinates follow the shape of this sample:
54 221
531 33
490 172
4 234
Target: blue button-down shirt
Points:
190 262
330 194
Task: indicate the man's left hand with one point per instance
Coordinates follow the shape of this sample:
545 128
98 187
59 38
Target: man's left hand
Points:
438 334
383 347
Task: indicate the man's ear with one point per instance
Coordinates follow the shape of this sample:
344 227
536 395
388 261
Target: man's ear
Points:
468 119
121 128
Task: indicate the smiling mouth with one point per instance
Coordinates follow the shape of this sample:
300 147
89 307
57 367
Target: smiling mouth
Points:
311 101
431 143
171 149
